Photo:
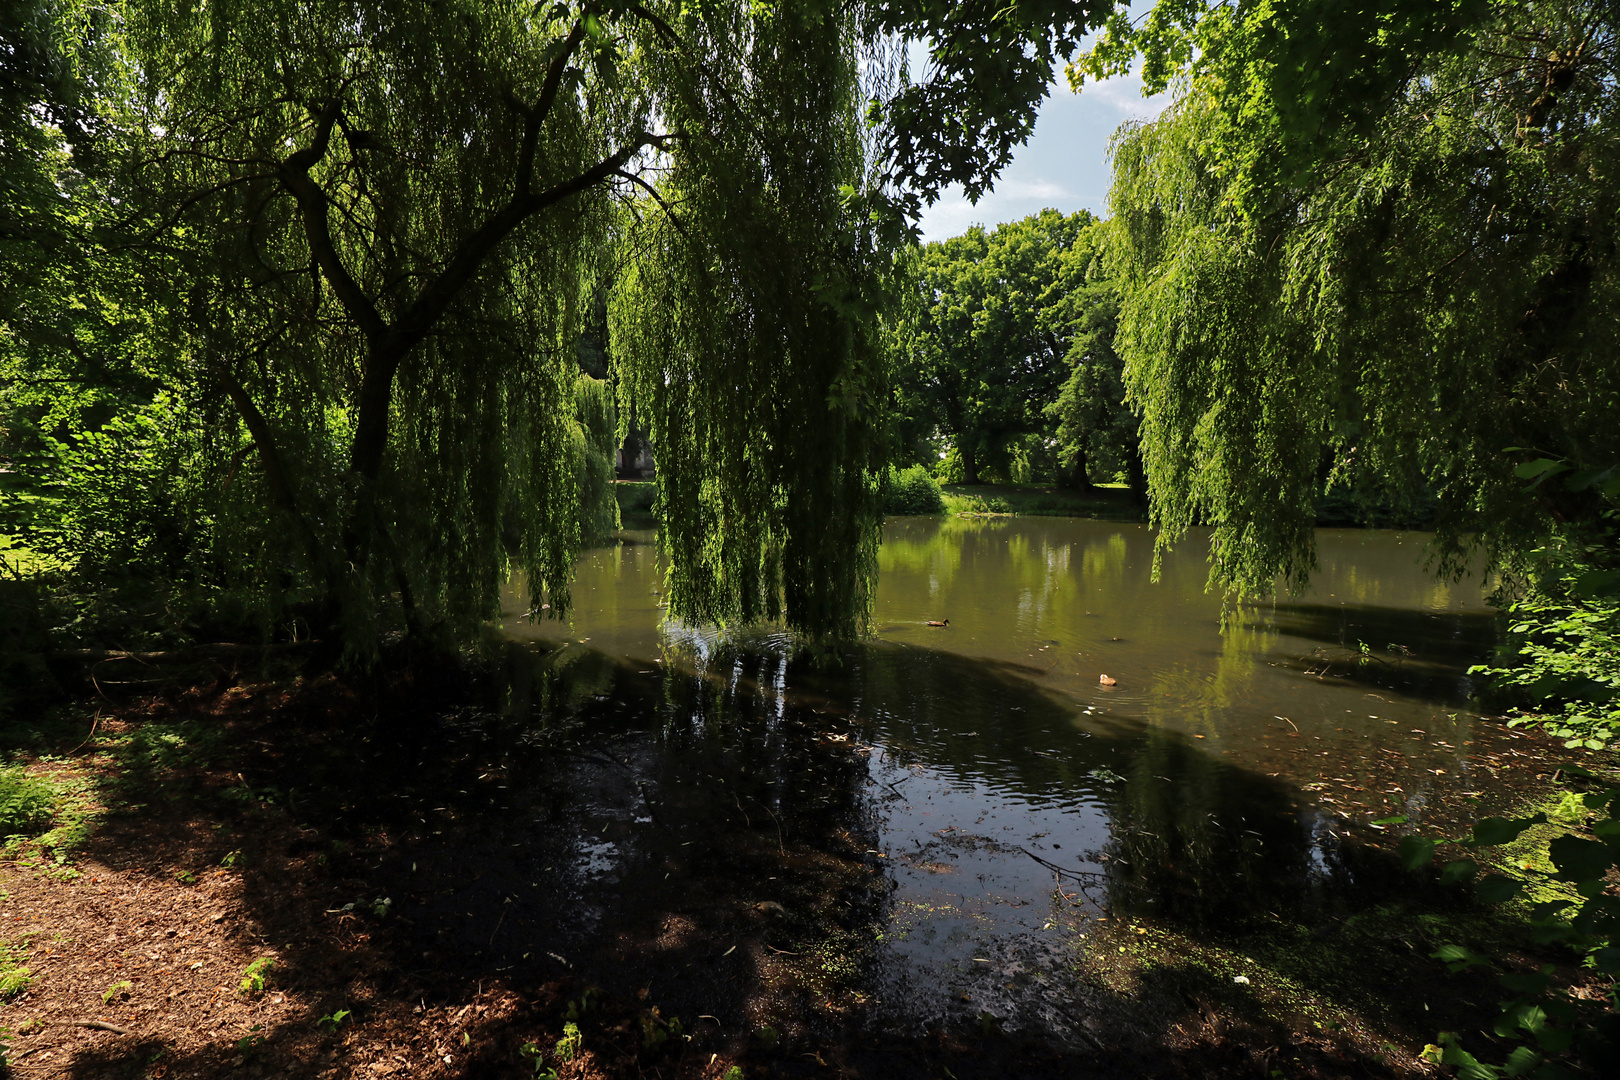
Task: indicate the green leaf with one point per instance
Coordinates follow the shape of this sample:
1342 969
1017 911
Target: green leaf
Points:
1492 831
1527 1015
1496 889
1468 1066
1526 982
1457 870
1596 583
1548 908
1397 819
1521 1061
1581 479
1459 957
1415 851
1580 860
1607 960
1540 467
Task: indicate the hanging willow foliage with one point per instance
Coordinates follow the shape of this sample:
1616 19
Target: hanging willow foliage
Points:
746 318
346 281
380 227
1428 313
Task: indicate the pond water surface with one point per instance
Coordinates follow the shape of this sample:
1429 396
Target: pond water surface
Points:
1001 801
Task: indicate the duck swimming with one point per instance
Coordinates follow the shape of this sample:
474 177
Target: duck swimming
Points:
939 622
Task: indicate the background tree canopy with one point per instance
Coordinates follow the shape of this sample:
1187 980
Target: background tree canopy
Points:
985 350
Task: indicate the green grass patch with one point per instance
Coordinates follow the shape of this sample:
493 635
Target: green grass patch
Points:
14 974
49 813
27 802
1111 502
19 560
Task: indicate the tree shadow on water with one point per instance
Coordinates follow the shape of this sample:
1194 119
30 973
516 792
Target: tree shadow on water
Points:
468 867
1419 654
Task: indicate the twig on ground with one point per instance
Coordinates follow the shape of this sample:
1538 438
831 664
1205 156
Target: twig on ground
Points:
99 1025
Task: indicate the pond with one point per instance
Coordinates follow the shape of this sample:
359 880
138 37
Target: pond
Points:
934 829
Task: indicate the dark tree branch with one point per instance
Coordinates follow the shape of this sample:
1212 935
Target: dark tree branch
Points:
657 198
376 385
312 206
275 468
438 294
534 117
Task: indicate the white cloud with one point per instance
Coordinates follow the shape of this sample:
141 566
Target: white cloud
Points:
1122 94
1064 165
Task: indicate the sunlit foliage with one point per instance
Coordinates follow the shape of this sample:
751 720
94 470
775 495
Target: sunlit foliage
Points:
747 320
984 349
1420 292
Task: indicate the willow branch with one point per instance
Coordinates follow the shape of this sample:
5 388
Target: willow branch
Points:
668 33
275 468
438 294
657 198
312 206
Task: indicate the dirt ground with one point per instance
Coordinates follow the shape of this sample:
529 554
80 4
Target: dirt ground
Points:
200 912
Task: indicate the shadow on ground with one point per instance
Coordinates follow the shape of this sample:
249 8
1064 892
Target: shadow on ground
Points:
682 866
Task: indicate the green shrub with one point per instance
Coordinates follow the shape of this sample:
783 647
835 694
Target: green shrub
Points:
14 974
1564 659
27 803
912 491
1550 1031
636 496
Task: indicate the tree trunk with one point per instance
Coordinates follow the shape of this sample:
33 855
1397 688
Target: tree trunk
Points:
970 465
1078 474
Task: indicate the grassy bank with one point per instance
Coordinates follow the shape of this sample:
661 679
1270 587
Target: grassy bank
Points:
1109 501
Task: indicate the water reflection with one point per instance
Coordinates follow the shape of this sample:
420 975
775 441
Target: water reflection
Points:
1007 794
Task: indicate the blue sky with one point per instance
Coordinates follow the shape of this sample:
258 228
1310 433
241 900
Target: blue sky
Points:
1064 164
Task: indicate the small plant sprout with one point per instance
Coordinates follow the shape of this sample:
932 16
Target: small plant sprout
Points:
14 974
248 1045
333 1020
537 1058
656 1030
257 975
115 989
577 1009
569 1046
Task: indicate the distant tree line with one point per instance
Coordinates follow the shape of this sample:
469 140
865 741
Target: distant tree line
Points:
1006 368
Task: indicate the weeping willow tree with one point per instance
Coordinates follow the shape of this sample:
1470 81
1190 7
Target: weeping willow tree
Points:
1390 267
358 242
747 320
383 225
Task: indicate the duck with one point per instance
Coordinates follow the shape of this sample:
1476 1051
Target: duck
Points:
1107 680
939 622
